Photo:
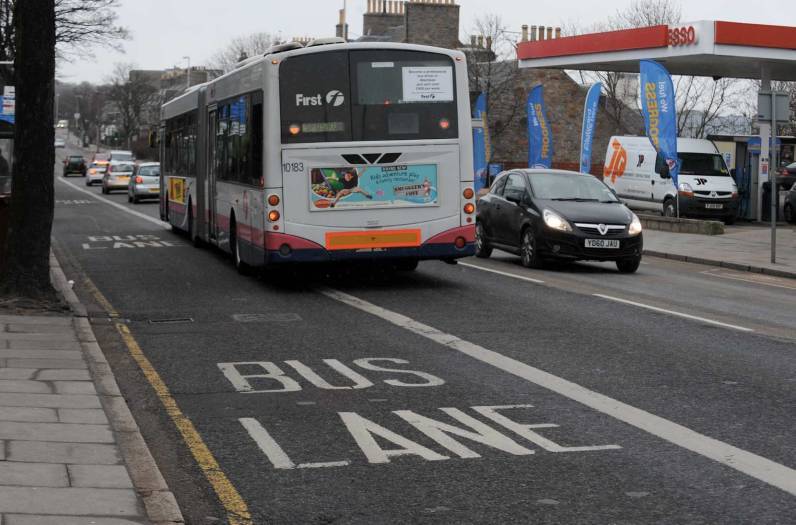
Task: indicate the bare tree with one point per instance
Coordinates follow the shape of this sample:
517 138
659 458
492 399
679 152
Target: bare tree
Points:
26 265
242 47
493 70
132 96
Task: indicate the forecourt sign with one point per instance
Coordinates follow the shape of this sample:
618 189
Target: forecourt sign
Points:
703 48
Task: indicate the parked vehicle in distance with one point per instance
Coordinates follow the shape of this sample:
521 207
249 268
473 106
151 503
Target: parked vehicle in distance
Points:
554 214
74 164
641 179
96 171
787 176
101 157
62 124
121 155
117 176
145 182
60 143
789 213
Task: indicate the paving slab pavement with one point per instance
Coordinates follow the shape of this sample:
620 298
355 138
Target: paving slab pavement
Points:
70 451
743 247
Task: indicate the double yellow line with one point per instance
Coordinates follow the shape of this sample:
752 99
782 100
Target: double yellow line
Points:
229 497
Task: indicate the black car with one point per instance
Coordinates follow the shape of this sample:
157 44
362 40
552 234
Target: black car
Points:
790 205
553 214
74 164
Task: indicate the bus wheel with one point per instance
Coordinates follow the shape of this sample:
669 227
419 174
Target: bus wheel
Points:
234 246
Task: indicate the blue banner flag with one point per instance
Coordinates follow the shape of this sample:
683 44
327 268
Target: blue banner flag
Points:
660 113
480 144
589 125
540 135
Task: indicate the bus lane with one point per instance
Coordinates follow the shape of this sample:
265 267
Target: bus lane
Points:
319 411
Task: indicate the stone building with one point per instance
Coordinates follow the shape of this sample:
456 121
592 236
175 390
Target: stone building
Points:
436 23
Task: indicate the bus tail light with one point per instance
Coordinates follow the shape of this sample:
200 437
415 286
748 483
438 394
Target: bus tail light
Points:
273 216
468 193
469 208
273 200
294 129
444 123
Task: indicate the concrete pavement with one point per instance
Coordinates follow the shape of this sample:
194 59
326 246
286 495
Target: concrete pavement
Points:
70 451
741 248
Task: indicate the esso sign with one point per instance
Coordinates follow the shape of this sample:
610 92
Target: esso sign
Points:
682 36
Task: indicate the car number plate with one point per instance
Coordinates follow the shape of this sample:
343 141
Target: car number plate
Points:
154 190
602 243
714 206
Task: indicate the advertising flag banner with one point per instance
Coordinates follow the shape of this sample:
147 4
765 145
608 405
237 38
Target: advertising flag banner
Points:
589 125
540 134
480 144
660 113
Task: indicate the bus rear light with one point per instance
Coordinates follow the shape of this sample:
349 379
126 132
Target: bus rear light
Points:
460 242
273 215
468 193
294 129
273 200
444 123
469 208
469 220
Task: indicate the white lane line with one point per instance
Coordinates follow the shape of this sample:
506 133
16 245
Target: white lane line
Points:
738 278
506 274
138 214
676 314
751 464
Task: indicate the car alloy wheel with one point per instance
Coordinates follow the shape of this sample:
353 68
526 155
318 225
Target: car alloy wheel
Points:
528 252
482 249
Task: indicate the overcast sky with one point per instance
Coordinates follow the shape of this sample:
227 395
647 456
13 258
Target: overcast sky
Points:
165 31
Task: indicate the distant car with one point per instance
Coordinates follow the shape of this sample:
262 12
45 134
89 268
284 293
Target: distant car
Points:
74 164
60 143
555 214
790 205
105 157
787 176
117 176
121 155
96 171
145 183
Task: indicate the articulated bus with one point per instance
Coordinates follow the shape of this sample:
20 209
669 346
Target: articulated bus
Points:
333 151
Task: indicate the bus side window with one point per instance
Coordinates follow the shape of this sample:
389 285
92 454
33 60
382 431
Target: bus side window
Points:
256 140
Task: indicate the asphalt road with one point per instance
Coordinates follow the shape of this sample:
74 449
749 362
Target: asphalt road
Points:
476 393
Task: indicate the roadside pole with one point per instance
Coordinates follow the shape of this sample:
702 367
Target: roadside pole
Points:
772 177
772 108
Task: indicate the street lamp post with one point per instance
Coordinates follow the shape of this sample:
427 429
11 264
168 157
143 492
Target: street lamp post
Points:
187 72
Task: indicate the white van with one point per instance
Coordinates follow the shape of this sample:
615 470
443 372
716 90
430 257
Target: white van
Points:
642 180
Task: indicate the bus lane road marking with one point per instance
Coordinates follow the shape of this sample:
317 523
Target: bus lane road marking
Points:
758 467
498 272
116 205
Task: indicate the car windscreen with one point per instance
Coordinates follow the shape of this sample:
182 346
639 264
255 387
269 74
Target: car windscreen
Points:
367 95
122 156
122 168
703 164
574 187
149 171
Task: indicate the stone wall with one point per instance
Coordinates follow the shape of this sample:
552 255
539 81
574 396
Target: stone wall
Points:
564 99
432 24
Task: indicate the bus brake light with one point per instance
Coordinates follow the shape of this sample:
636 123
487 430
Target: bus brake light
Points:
294 129
468 193
273 200
444 123
469 208
273 215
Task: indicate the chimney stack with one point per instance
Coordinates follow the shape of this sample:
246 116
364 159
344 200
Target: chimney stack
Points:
525 32
489 43
541 32
558 32
549 33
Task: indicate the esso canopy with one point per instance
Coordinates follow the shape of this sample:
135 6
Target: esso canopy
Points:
704 48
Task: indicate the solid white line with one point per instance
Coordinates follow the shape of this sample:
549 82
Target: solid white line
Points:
676 314
138 214
753 465
737 278
506 274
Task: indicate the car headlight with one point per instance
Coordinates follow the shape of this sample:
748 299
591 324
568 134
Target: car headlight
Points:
635 226
685 188
556 221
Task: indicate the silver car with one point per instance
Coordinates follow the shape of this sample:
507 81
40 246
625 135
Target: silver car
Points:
117 177
145 182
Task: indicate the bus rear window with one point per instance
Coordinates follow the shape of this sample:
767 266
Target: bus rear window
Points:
368 95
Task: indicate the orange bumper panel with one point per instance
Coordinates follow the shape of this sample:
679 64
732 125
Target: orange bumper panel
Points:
373 239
